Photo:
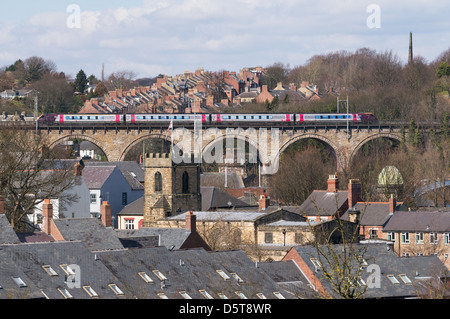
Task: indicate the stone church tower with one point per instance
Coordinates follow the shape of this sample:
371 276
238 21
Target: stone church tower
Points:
169 188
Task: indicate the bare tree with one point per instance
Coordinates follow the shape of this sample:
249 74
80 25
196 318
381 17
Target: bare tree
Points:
26 177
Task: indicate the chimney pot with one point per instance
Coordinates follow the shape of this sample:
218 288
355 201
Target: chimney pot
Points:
333 184
105 212
191 222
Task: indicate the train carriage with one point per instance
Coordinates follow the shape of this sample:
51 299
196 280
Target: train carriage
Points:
251 118
166 118
89 118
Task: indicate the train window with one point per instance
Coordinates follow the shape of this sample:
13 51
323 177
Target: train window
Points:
270 117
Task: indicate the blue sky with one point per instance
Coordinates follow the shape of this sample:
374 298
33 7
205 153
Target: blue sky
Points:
171 36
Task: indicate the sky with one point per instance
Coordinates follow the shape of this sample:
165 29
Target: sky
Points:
151 37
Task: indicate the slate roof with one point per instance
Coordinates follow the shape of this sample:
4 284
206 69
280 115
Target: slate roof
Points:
377 254
216 179
90 231
96 176
7 233
126 166
373 214
31 257
423 221
222 215
10 290
172 238
134 208
323 203
213 197
187 270
288 276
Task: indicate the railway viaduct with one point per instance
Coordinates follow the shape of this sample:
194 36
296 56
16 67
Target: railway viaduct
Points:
269 142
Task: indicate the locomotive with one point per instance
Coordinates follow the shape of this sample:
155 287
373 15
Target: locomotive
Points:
217 118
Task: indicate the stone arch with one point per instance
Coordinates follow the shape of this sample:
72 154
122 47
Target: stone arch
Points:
223 136
390 136
140 139
341 160
81 137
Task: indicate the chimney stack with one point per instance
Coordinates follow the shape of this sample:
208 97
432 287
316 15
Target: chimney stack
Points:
191 222
47 216
354 192
78 168
2 205
264 202
392 204
105 211
333 183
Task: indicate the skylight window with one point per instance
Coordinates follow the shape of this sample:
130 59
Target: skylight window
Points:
67 269
236 276
222 296
241 295
278 295
159 275
223 274
116 289
261 295
206 294
393 279
162 296
66 294
405 279
19 282
49 270
91 292
185 295
316 263
146 277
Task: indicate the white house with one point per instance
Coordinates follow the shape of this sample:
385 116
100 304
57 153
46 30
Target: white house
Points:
108 183
78 208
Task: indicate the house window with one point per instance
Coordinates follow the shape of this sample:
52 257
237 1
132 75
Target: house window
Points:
391 236
374 233
268 238
434 238
158 182
405 238
93 198
129 223
419 238
185 183
298 238
124 199
446 238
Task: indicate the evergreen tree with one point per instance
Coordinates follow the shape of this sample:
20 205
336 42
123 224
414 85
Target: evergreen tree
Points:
81 82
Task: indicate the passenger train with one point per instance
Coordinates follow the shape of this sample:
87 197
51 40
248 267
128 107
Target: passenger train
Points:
222 118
